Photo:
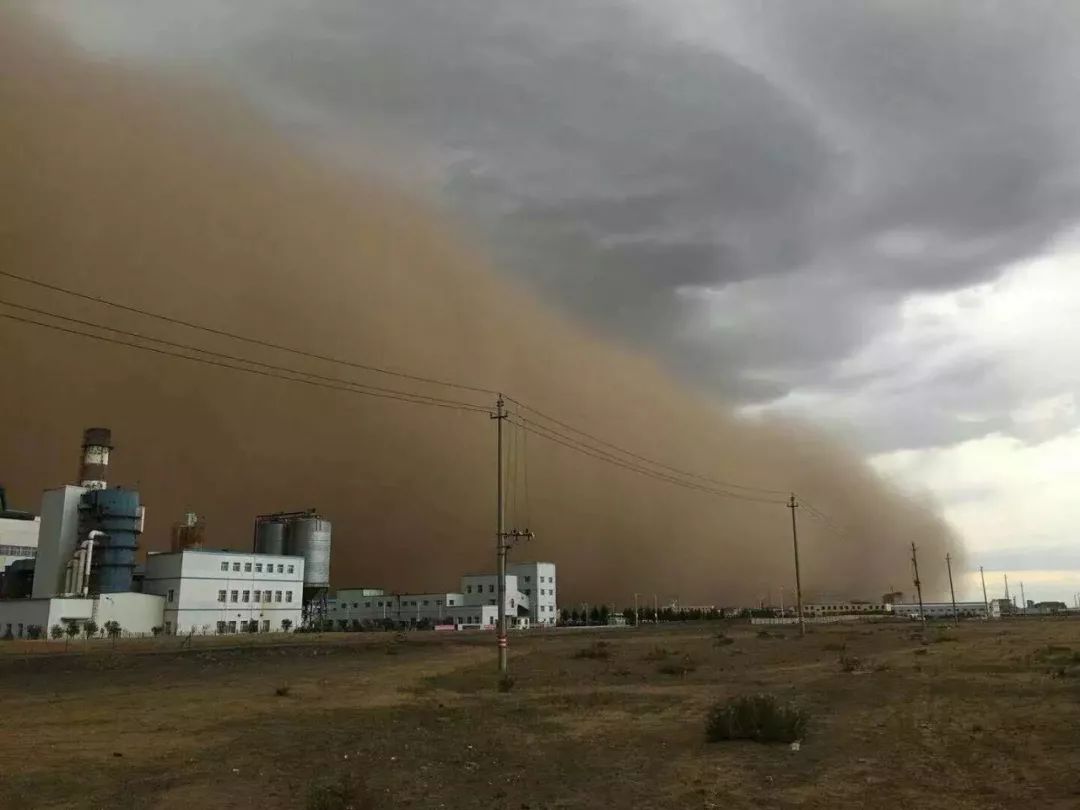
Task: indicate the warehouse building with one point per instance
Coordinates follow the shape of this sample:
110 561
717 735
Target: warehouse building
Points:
944 610
530 599
476 608
207 591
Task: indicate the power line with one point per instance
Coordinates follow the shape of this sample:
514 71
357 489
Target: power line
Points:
646 459
578 444
414 399
256 341
356 387
238 359
569 443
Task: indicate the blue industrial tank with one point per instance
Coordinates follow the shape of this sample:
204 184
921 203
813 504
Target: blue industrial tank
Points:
115 512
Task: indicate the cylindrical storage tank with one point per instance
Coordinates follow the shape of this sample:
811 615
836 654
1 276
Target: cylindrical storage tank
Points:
270 537
115 512
309 537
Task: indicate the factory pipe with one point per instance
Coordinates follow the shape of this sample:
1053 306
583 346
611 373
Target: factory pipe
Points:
90 538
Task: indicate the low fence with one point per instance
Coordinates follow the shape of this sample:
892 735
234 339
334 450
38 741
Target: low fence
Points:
846 617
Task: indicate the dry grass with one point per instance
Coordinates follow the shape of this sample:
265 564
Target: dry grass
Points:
986 722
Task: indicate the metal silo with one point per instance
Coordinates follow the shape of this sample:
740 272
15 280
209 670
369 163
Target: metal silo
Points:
270 537
309 537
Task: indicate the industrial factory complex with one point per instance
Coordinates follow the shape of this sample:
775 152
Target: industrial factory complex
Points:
77 563
76 566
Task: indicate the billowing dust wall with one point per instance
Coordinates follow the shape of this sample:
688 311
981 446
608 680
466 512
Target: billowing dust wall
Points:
152 191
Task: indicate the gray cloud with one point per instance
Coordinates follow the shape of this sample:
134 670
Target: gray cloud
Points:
749 196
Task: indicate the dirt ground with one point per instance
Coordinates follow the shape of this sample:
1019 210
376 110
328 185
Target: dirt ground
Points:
980 716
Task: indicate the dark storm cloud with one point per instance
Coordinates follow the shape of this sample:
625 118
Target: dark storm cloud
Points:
749 195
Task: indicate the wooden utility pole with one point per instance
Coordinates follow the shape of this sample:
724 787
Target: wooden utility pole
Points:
793 504
918 584
500 533
986 602
952 591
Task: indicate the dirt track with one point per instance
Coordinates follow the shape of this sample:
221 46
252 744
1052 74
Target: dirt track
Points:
982 716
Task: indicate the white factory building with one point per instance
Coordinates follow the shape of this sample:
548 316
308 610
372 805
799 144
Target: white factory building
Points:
537 583
530 600
207 591
944 610
18 539
136 613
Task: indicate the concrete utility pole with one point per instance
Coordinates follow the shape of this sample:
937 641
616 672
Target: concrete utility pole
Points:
655 610
637 615
1007 597
986 602
952 591
918 584
500 532
793 504
1023 597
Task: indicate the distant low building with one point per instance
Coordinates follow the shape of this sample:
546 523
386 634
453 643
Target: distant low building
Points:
944 610
530 599
844 608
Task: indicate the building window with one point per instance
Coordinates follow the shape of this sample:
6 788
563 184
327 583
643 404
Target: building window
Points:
292 568
221 596
221 627
528 579
354 604
225 566
280 568
437 602
247 567
277 596
172 595
425 603
368 604
266 626
236 566
266 596
258 568
247 597
232 627
232 596
288 596
511 603
468 589
491 589
449 601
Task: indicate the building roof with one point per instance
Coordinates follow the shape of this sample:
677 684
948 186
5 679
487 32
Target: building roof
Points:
224 551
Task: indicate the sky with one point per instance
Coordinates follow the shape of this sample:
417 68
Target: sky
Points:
861 214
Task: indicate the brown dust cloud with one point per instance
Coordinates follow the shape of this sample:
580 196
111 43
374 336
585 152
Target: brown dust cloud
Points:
155 192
